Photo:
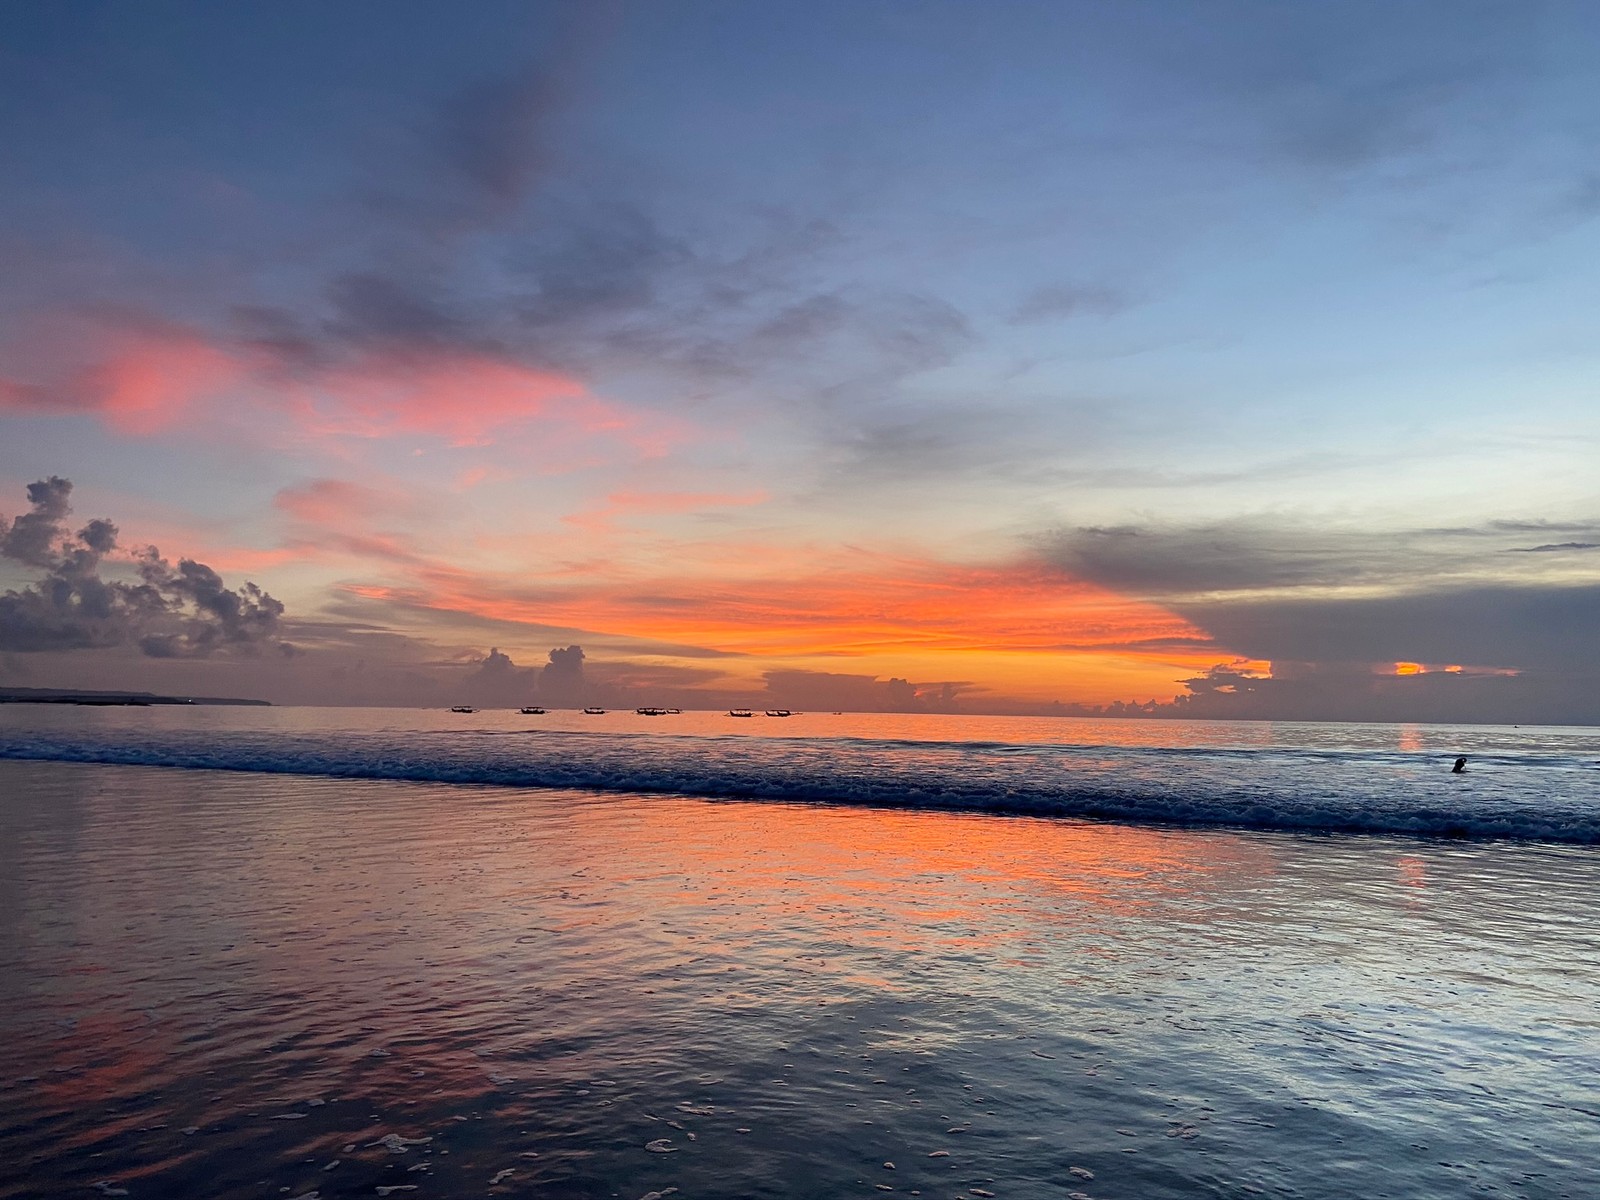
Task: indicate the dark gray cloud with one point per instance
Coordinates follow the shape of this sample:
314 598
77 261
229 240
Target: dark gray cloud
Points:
498 682
470 162
832 690
656 683
1551 629
206 614
570 677
480 223
166 610
943 442
487 230
1064 301
1349 124
1344 89
362 615
1327 606
599 267
600 285
1541 526
1297 691
1182 563
31 538
608 286
491 133
562 680
369 309
1223 557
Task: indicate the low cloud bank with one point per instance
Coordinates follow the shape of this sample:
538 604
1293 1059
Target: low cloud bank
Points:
164 610
858 693
1498 617
1293 691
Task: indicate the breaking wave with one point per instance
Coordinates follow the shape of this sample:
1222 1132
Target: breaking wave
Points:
1533 796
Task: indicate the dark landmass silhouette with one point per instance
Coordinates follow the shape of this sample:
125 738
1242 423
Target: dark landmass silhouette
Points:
21 695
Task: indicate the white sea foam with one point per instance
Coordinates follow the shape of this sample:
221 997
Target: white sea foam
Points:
1534 793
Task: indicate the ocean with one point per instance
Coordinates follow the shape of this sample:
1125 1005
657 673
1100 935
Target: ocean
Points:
328 952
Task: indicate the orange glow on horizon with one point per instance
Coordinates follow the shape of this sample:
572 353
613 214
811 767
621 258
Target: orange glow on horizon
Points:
1025 632
931 607
603 559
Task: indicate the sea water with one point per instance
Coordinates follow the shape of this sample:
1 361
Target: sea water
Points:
296 952
1538 783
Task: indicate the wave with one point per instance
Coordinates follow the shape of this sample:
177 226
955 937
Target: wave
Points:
1538 797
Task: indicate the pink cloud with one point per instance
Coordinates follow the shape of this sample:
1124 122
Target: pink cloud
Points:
334 518
151 384
460 398
140 381
145 378
16 396
336 502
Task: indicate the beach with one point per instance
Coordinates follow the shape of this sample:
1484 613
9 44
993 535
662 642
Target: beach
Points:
799 601
253 983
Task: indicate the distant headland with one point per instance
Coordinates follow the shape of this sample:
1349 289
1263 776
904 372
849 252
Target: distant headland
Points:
22 695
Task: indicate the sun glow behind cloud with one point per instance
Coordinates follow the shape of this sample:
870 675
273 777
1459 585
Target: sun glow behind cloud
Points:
1022 629
833 608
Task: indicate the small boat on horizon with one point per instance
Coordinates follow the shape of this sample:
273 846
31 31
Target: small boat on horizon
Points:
779 712
595 712
740 712
651 712
531 710
463 708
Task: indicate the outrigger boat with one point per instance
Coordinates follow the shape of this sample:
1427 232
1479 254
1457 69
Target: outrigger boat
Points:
740 712
595 712
465 708
779 712
531 711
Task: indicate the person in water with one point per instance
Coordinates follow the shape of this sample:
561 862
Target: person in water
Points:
1460 767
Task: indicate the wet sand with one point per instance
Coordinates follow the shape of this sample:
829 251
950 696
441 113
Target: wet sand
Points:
241 985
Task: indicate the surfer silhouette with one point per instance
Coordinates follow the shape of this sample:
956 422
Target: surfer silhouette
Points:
1460 767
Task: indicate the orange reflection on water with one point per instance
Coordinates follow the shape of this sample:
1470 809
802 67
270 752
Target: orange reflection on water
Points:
1413 873
103 1054
912 882
374 922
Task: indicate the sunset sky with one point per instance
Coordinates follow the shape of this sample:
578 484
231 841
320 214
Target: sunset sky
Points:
987 357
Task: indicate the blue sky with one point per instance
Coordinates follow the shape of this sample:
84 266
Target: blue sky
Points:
523 324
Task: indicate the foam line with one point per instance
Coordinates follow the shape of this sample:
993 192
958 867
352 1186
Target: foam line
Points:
1542 797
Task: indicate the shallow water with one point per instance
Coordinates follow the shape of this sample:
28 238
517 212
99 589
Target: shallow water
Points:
1535 784
233 984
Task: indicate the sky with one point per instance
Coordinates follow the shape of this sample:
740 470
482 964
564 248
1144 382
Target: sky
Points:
1221 359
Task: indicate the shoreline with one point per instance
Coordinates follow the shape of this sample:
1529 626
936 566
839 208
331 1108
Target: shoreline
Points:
1520 786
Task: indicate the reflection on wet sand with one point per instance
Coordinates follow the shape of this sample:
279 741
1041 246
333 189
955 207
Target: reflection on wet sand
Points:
230 985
